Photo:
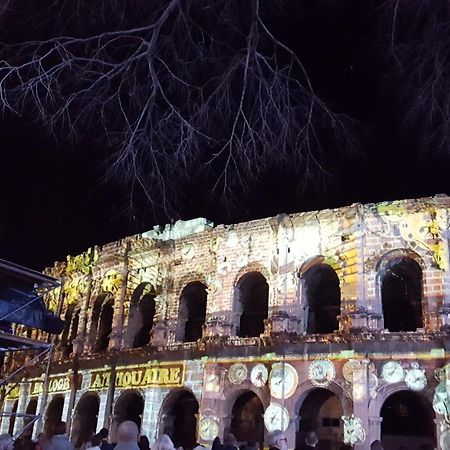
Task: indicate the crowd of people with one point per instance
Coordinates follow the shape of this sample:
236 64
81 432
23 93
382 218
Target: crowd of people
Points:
129 438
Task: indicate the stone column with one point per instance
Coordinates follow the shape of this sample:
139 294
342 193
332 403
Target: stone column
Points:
361 397
21 407
7 408
81 343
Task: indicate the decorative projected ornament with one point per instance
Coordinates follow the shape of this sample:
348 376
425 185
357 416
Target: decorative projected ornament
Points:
233 239
392 372
241 261
187 251
445 440
441 402
354 432
283 380
351 370
212 383
321 372
214 244
259 375
373 385
276 418
209 429
237 373
415 378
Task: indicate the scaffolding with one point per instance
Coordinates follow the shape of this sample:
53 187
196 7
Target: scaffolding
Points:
26 282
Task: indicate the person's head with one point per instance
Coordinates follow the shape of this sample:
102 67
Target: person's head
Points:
311 438
127 431
41 437
230 439
60 428
217 444
163 443
144 443
376 445
96 440
103 433
6 442
277 439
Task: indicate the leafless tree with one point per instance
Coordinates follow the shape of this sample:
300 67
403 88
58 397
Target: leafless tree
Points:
174 89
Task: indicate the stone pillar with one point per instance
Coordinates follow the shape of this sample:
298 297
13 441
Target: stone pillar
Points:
361 398
8 406
81 343
102 418
374 432
21 407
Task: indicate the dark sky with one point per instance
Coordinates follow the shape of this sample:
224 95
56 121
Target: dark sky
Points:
54 201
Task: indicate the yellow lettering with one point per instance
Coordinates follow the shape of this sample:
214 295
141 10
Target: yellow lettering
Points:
136 377
147 377
175 375
119 377
126 380
164 377
97 384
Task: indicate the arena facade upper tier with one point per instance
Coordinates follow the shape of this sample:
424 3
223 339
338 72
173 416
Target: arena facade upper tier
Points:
336 320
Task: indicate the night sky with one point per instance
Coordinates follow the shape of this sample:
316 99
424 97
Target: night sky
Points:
54 199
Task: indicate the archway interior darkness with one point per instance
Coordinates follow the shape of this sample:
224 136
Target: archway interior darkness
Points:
105 325
253 299
144 315
129 406
321 411
85 419
401 295
322 299
180 422
247 422
12 419
70 333
31 409
53 414
193 310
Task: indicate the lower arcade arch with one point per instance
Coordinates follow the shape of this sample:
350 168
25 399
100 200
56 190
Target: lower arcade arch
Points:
179 419
31 409
12 419
321 411
84 422
247 423
407 422
129 406
53 414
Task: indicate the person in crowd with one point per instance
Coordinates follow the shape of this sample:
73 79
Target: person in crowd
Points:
127 436
198 446
376 445
40 442
144 443
87 442
105 445
96 441
251 445
59 440
163 443
311 441
277 441
346 447
217 444
6 442
230 442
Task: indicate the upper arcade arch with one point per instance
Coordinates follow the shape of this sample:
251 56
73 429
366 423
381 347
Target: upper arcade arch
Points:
251 304
320 296
399 285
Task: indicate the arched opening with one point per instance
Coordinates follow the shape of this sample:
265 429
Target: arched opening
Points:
192 314
129 406
28 423
321 299
142 314
408 421
247 422
12 419
53 414
321 411
180 420
401 294
252 292
84 423
72 318
105 325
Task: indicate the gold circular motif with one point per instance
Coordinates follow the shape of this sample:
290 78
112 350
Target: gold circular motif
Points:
349 369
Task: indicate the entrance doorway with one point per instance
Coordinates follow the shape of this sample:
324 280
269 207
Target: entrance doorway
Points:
84 423
247 422
180 420
321 411
53 414
408 421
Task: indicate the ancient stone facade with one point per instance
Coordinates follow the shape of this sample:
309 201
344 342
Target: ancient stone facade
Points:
326 319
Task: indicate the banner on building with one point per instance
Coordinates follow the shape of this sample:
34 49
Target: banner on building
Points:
57 384
161 375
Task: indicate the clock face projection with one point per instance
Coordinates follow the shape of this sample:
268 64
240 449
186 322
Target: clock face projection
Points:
276 417
188 251
392 372
321 372
259 375
209 428
237 373
351 370
283 380
415 378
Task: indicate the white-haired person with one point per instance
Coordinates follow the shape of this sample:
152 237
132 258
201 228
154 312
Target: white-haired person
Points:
163 443
6 442
127 436
277 440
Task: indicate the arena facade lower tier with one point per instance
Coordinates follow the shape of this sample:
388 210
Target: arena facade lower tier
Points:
334 320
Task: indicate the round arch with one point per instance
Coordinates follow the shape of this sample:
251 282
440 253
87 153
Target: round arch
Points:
53 414
178 417
30 409
85 417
